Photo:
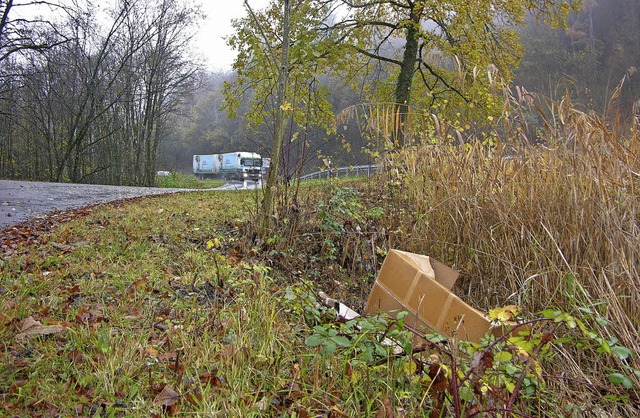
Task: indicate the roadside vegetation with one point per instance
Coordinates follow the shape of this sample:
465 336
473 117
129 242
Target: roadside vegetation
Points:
176 179
175 305
207 304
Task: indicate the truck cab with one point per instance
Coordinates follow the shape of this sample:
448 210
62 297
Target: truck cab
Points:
242 165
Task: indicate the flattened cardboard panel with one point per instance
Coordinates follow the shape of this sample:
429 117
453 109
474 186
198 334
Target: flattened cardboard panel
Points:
474 324
420 285
420 262
445 275
398 271
428 299
381 301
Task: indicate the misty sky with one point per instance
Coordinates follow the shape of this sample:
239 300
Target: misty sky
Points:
218 25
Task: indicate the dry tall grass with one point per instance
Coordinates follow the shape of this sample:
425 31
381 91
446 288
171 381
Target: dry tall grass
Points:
542 213
536 226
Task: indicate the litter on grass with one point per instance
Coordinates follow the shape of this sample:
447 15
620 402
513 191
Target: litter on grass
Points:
421 286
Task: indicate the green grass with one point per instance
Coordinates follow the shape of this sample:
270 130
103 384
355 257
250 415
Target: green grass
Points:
184 181
156 295
170 308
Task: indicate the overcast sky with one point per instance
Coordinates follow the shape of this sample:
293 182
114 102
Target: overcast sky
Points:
210 41
217 26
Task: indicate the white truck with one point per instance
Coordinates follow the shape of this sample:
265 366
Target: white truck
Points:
238 165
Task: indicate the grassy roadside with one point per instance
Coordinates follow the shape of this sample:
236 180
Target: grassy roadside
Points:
121 282
177 179
170 306
159 308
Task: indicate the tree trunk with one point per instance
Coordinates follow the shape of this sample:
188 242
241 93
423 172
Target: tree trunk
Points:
403 86
272 178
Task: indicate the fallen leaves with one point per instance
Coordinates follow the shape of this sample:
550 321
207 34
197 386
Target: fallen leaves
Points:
151 352
166 309
16 385
17 239
167 399
20 238
386 411
170 400
32 328
73 311
504 313
90 317
211 379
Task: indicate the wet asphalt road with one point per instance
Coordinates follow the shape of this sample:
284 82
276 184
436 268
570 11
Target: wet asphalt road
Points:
24 200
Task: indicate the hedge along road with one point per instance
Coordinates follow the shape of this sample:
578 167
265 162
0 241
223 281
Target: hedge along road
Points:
24 200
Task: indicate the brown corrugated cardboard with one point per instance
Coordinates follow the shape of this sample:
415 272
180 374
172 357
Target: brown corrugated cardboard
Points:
422 286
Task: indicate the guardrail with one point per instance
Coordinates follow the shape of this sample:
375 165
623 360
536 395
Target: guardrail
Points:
351 171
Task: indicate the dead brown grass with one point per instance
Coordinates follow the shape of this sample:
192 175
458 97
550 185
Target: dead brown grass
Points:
551 225
541 212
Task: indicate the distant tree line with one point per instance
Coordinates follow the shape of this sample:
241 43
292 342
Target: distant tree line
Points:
86 94
112 97
588 58
203 127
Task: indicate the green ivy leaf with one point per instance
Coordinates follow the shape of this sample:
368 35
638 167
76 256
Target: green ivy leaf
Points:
524 343
621 352
510 385
367 355
380 350
366 326
341 341
320 329
604 346
620 380
466 394
511 369
314 340
407 346
550 313
503 357
329 347
402 315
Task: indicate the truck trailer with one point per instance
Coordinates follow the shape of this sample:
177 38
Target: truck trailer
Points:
238 165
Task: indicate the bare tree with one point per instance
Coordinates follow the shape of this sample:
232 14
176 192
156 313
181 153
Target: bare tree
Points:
95 107
166 76
23 33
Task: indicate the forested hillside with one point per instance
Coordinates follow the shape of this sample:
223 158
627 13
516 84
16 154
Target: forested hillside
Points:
588 58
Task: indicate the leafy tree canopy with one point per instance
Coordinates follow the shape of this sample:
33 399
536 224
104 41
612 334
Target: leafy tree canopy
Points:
312 53
439 56
444 56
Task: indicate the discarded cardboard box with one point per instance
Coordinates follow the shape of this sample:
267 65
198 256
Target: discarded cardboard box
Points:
422 286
